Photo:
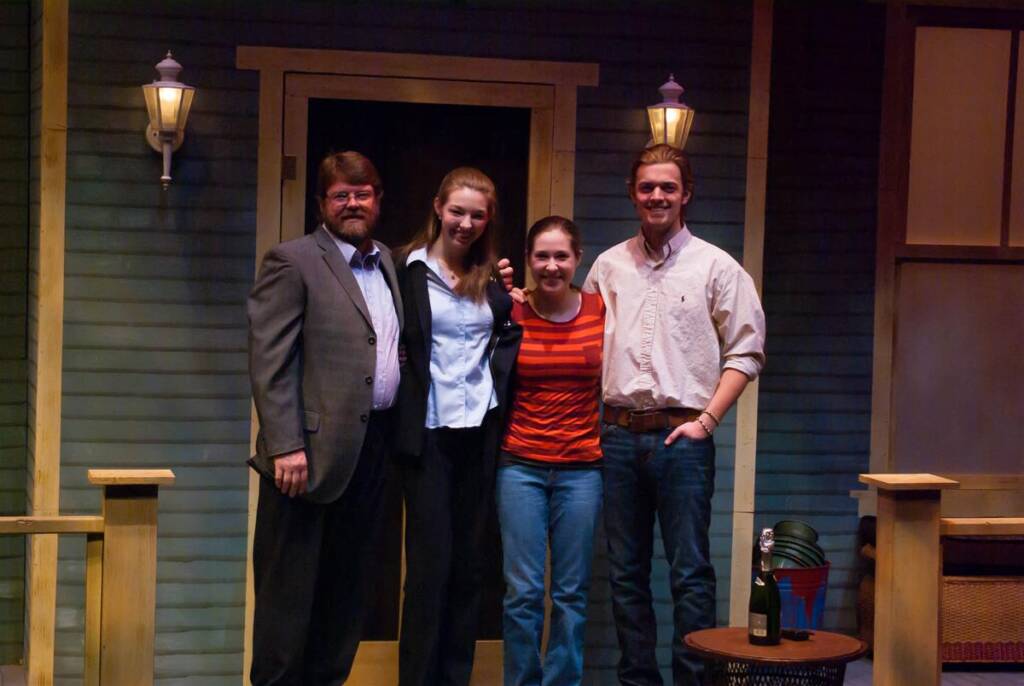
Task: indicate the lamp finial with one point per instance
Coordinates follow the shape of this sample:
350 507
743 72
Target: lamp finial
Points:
670 90
169 68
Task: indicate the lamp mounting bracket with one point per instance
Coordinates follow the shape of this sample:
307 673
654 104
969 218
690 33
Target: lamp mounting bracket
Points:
156 142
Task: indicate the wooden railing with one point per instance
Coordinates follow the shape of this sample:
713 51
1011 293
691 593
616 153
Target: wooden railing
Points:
120 572
908 573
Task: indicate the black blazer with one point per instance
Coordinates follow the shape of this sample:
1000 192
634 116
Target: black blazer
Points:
415 382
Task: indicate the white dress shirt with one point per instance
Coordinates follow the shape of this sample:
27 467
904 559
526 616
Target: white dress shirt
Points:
673 324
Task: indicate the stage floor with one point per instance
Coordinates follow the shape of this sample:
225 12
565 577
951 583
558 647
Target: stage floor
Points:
857 674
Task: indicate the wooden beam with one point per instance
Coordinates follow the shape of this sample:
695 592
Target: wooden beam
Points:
416 66
48 524
49 340
983 526
894 161
295 137
268 234
753 262
988 482
563 155
93 608
538 200
423 91
960 253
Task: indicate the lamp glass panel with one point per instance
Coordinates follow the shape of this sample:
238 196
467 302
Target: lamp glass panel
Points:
152 107
186 106
656 115
681 129
170 103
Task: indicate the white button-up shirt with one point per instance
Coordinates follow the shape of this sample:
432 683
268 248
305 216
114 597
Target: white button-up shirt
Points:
674 324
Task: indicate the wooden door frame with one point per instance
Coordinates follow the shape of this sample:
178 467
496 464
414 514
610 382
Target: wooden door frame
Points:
287 80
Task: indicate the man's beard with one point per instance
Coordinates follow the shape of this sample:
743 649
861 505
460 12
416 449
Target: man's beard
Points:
352 227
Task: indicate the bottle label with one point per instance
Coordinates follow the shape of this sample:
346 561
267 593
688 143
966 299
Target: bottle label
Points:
757 625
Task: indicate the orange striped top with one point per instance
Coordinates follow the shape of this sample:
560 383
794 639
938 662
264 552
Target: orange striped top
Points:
554 415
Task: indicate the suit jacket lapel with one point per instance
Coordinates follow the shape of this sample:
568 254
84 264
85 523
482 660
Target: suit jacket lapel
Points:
388 267
343 273
418 272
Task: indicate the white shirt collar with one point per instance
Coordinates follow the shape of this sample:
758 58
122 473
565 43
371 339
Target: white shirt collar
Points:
418 255
672 247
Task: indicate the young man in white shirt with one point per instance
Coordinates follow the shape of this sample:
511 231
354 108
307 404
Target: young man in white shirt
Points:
684 335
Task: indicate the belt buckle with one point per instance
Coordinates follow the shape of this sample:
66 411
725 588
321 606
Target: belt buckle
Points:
641 420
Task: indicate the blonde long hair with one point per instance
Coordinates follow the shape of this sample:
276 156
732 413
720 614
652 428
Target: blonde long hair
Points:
482 254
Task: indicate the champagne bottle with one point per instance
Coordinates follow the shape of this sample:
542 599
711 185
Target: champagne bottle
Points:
764 624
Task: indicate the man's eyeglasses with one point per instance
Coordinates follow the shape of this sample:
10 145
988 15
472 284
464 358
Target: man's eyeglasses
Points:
342 197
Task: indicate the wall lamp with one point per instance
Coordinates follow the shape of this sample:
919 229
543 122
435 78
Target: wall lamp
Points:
670 119
168 102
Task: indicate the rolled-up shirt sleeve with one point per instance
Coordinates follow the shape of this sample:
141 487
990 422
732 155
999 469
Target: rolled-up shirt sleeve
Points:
739 319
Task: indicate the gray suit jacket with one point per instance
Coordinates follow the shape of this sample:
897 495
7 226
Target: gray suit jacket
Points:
312 349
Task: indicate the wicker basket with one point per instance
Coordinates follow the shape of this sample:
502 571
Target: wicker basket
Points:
982 619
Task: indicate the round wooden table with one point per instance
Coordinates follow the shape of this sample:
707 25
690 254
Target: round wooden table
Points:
733 661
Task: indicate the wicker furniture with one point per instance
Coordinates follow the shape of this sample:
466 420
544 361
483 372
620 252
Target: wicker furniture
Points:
982 590
733 661
982 619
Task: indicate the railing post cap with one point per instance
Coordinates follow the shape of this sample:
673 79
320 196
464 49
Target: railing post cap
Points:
131 477
908 482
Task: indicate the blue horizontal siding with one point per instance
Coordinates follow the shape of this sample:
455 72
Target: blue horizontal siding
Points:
15 108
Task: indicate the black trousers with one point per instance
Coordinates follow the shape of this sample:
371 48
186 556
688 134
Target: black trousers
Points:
312 573
448 496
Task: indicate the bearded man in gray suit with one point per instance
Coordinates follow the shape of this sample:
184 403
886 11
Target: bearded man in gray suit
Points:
324 322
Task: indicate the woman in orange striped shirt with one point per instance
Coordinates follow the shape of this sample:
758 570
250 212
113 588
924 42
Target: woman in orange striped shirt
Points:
549 482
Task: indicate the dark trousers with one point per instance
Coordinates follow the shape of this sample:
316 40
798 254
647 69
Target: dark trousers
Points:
448 495
312 574
644 479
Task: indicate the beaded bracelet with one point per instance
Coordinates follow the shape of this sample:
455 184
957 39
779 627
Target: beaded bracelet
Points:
711 414
700 420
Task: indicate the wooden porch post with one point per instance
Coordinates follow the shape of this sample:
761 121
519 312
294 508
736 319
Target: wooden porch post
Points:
128 606
908 572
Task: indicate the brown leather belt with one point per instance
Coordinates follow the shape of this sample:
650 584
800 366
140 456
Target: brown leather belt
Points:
639 421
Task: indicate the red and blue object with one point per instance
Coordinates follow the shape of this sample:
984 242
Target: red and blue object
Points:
802 590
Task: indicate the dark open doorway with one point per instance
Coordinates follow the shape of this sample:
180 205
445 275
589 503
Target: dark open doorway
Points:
413 146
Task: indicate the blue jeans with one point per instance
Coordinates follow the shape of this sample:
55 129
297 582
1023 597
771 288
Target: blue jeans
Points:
643 477
535 503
